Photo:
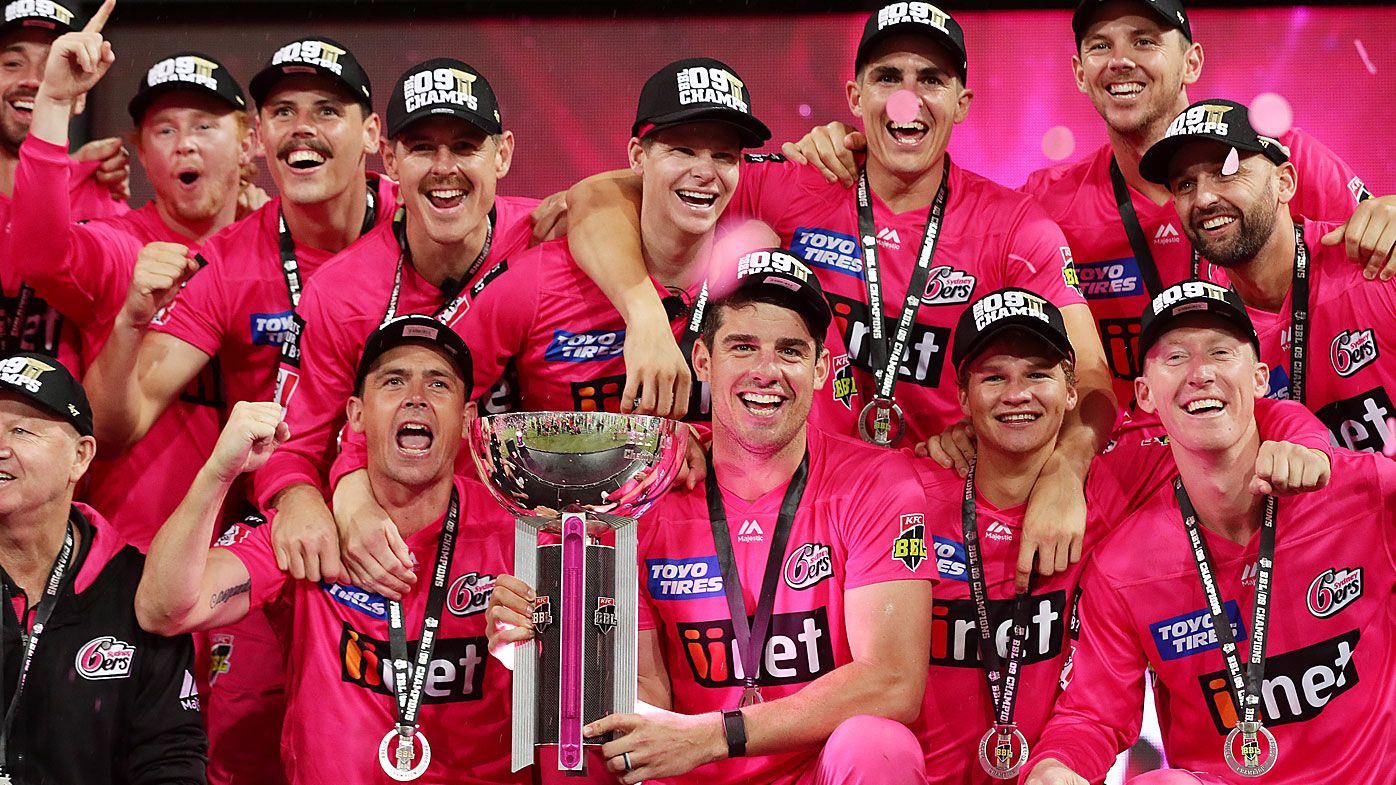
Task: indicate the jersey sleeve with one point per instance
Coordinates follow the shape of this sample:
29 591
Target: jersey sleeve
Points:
199 315
767 187
90 199
1290 421
166 742
884 532
1038 259
1100 711
80 269
252 546
1328 189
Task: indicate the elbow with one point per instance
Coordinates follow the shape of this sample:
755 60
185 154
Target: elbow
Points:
902 693
160 617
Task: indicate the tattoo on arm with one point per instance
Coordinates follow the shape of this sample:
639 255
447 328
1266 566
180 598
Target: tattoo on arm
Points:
229 593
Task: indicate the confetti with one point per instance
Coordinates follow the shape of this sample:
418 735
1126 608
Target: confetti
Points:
903 106
1233 162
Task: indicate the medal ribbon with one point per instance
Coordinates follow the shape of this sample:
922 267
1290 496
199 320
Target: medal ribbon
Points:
453 292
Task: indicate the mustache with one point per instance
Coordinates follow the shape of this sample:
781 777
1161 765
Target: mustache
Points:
311 144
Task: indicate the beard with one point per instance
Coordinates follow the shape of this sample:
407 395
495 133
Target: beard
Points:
1256 224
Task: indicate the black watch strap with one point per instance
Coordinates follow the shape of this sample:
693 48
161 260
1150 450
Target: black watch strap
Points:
734 728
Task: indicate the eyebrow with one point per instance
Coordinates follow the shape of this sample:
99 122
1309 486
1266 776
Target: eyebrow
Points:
794 343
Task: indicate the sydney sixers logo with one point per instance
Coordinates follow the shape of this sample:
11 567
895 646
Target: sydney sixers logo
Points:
469 594
105 658
948 286
1333 590
1353 350
807 565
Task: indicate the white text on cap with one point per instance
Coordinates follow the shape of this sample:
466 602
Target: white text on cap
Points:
766 262
185 68
440 86
1001 305
1186 291
24 372
312 52
46 8
706 85
920 13
1202 119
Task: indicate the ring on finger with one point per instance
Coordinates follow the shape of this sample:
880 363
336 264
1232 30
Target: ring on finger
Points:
625 759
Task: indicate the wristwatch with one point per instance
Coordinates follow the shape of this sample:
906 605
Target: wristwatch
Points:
734 729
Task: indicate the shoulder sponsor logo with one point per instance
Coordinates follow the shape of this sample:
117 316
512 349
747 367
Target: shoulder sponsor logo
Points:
950 559
909 547
220 650
455 673
828 249
272 329
1110 279
469 594
1192 633
365 602
1069 276
888 238
683 579
1359 190
948 286
105 657
841 384
925 351
998 531
1359 423
1353 350
1333 590
763 158
751 532
287 381
1167 234
955 632
586 346
1298 685
490 275
797 650
189 693
807 565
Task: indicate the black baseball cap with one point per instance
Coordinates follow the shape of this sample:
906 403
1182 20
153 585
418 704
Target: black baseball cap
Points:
320 56
694 90
415 328
51 15
1189 297
779 273
185 71
1217 120
913 17
443 86
49 385
1006 310
1170 12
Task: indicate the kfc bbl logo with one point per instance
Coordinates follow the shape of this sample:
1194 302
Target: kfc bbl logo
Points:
910 546
605 616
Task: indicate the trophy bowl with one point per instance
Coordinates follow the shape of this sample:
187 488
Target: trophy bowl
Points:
572 479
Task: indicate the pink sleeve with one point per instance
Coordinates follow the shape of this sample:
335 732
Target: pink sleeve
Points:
253 549
879 531
1038 258
502 311
198 314
1098 714
1328 189
90 199
353 455
1289 421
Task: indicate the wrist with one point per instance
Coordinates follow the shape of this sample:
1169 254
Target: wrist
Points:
732 734
292 495
640 306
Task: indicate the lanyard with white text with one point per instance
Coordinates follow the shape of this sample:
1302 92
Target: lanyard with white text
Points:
750 635
453 291
1245 684
409 678
886 360
1139 244
1003 679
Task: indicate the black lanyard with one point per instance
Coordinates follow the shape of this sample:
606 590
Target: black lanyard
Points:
30 643
1138 243
1245 684
10 342
886 359
691 331
453 291
405 672
751 634
1003 678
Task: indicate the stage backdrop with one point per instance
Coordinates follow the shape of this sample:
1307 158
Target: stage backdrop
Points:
568 86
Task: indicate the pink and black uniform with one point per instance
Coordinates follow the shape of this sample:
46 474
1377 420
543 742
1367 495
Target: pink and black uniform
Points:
339 669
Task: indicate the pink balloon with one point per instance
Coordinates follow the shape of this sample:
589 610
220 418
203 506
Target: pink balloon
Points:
903 106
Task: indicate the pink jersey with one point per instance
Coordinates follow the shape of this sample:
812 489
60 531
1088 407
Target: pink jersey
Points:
1329 694
992 237
1351 346
83 271
345 302
861 521
1080 198
237 308
340 701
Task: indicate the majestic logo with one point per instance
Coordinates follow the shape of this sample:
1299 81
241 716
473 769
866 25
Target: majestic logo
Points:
24 372
186 68
272 329
1110 279
1193 632
925 351
887 237
948 286
1359 423
683 579
807 565
1003 305
440 86
469 594
751 532
998 531
950 559
909 547
1297 687
797 650
605 616
105 657
705 85
189 693
1166 234
920 13
828 249
1333 590
365 602
455 673
220 656
312 52
1353 350
1201 119
955 631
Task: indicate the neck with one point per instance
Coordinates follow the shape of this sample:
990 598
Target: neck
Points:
1129 149
412 507
1007 479
905 191
1218 483
29 544
675 259
330 225
196 230
9 162
438 262
1264 281
752 475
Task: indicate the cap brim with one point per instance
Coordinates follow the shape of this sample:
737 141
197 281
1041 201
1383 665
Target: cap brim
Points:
917 28
1154 165
1221 309
138 106
752 132
262 84
1027 324
488 126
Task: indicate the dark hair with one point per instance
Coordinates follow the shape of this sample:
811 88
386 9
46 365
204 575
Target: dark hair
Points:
712 320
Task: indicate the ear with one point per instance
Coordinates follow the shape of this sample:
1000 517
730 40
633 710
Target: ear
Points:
635 154
372 134
248 147
86 449
503 153
1192 63
962 104
1142 396
472 413
854 92
962 392
822 364
1078 70
1072 397
1262 380
390 161
354 413
1286 182
702 361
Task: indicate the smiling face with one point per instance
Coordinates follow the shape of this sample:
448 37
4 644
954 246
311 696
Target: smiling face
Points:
22 57
1228 217
1202 378
763 367
1135 69
447 170
1016 393
193 147
688 173
41 457
316 137
412 412
908 147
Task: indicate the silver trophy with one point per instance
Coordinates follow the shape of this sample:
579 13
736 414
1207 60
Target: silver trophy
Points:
569 478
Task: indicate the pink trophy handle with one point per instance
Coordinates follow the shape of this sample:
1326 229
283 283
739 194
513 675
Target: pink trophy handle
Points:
573 613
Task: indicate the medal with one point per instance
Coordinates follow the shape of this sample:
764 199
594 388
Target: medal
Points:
751 695
398 763
887 422
1251 763
999 762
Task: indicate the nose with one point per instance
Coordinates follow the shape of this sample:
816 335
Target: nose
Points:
1202 371
1120 59
1016 391
443 161
185 142
1205 193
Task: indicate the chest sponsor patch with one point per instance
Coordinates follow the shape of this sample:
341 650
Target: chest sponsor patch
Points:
831 250
1353 350
1109 279
455 673
797 650
1333 590
1298 684
925 351
105 657
468 594
1359 423
272 329
1191 633
683 579
1120 337
948 286
950 559
586 346
365 602
955 630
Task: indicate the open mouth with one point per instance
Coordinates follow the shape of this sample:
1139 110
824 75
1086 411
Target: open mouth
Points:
304 159
1204 406
1018 418
413 437
1217 223
445 198
188 177
23 105
696 198
764 404
6 477
1125 89
908 133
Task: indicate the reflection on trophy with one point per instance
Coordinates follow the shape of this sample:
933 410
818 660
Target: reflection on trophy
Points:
569 478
